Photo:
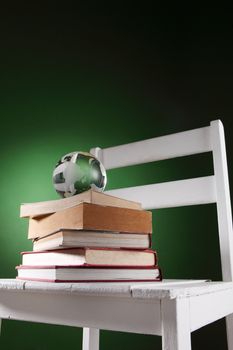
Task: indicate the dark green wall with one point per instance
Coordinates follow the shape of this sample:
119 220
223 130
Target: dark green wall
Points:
72 79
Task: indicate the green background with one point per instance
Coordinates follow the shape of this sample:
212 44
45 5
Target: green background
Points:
72 79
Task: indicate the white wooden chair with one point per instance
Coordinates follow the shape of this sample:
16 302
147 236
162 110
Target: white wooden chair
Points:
172 308
182 315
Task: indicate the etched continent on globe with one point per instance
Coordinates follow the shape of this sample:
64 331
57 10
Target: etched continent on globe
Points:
77 172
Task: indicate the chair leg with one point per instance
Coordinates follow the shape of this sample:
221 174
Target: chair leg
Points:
176 333
229 324
90 338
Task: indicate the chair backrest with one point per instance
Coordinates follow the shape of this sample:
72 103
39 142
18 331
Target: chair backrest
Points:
201 190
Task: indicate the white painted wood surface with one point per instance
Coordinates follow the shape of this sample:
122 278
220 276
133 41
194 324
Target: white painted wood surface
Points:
109 313
158 148
146 290
229 323
178 291
132 307
210 307
171 194
223 199
91 338
176 333
211 189
223 210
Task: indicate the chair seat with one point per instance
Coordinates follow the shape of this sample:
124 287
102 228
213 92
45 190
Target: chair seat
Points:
136 307
147 290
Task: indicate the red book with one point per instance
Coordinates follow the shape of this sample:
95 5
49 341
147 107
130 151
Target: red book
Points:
88 273
91 257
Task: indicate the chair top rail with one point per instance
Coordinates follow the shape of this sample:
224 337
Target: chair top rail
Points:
159 148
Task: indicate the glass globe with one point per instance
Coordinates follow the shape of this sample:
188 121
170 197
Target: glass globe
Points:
77 172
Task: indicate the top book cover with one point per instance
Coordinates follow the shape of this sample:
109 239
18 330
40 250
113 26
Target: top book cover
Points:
93 197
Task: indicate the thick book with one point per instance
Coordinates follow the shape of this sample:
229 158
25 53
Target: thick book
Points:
87 216
82 238
88 274
48 207
91 257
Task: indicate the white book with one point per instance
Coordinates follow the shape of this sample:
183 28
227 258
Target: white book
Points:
86 274
83 238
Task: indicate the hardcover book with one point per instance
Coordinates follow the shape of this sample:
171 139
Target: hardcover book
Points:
91 257
82 238
88 274
87 216
48 207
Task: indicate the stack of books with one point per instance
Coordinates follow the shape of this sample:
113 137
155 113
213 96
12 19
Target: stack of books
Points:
90 237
